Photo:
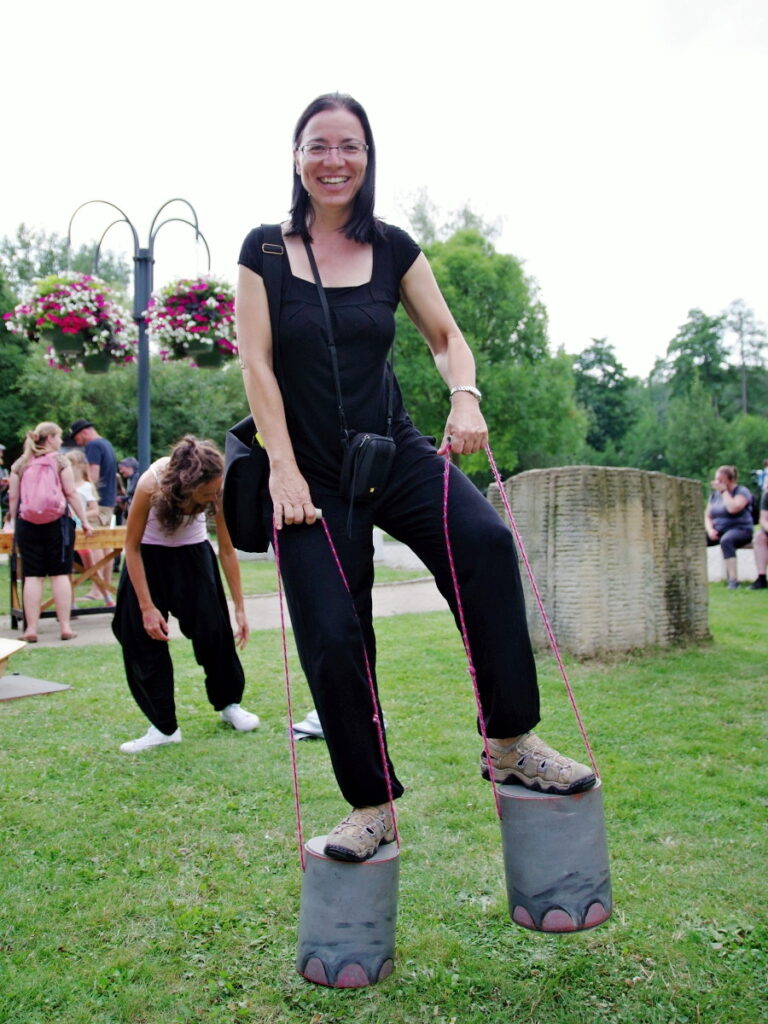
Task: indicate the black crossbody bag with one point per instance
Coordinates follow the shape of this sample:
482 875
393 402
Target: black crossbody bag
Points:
368 458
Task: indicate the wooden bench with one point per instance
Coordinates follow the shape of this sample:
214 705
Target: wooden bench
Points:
7 648
109 540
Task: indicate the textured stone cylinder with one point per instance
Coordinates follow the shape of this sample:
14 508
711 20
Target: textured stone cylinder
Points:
555 859
348 916
617 554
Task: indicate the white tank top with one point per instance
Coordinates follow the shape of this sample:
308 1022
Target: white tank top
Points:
191 531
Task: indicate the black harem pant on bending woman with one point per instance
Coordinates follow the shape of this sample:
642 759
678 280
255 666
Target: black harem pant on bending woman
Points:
185 582
328 632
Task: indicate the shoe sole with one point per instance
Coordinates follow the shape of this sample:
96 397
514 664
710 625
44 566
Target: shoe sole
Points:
251 728
140 750
345 854
537 786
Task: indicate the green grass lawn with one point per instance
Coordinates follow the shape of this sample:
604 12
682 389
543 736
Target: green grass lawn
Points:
164 888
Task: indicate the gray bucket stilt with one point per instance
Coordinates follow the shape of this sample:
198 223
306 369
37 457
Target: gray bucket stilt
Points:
348 915
555 859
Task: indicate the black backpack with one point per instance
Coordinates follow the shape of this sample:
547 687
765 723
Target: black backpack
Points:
246 464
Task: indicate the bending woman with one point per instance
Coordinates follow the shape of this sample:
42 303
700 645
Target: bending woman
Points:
170 568
367 267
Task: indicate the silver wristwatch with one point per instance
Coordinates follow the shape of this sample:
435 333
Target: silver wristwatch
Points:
467 387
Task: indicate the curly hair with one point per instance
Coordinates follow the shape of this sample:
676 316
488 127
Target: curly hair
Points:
193 462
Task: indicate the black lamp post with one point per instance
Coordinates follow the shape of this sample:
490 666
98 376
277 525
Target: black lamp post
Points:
144 261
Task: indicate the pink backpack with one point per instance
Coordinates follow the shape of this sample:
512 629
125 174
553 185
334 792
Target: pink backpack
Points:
41 493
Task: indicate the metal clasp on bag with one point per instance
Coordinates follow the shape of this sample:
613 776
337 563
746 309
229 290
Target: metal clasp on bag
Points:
273 250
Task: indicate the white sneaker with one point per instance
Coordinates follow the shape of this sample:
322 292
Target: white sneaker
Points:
239 718
310 728
152 738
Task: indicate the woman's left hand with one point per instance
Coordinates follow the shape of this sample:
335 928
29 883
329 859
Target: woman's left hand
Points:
466 431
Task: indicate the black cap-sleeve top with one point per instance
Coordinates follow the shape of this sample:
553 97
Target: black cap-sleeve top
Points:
363 320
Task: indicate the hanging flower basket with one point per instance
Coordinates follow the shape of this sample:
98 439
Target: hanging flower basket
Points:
194 318
64 343
99 362
214 357
76 319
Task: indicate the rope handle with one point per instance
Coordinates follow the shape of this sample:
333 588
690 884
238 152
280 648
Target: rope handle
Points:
542 610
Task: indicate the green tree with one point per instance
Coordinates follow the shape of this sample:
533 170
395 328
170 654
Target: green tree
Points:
31 254
644 444
694 434
697 354
745 445
184 399
13 358
749 342
603 388
528 402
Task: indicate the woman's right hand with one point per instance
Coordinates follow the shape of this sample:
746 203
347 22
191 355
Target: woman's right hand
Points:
154 623
291 500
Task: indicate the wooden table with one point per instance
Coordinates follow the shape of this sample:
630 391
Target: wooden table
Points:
109 540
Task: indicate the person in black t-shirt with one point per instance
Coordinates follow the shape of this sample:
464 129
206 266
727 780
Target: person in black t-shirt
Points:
366 268
761 545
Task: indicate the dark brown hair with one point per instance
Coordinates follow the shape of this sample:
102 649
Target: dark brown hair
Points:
193 462
362 225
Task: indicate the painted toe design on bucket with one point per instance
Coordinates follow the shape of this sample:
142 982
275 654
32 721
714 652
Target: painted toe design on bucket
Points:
314 970
557 920
596 914
352 976
386 969
530 762
521 916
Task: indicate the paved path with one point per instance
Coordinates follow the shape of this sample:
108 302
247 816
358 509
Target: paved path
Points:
263 611
409 596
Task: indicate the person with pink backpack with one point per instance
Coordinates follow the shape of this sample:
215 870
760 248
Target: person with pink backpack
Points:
41 486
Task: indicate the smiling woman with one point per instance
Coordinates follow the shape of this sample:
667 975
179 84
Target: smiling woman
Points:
319 379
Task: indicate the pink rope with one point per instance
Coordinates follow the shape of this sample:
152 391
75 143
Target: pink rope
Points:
287 675
542 610
463 625
369 675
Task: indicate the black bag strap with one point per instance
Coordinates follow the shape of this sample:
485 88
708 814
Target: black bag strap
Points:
334 358
272 275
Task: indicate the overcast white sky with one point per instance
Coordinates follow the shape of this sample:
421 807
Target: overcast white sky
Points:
621 143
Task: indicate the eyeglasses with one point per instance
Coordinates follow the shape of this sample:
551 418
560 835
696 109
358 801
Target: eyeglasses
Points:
318 150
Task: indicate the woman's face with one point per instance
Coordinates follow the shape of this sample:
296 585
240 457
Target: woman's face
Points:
723 480
53 442
334 179
207 493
